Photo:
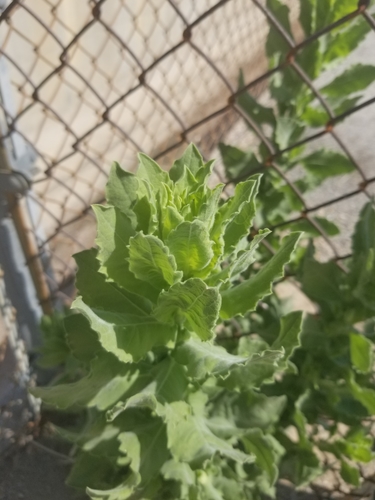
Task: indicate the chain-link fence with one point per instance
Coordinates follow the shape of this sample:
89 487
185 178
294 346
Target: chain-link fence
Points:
96 81
86 83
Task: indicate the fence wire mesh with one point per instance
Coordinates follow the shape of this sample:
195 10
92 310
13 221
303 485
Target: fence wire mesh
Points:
98 81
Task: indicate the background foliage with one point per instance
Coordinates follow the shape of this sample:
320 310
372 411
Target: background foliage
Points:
169 413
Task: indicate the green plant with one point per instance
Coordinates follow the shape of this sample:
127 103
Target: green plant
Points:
295 113
169 413
331 398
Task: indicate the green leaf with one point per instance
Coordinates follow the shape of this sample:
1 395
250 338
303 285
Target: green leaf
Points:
82 340
259 369
350 474
247 409
192 159
247 257
244 297
143 210
275 41
190 439
324 163
203 358
304 225
166 382
150 261
287 131
266 450
93 470
54 350
191 246
190 302
301 466
121 492
353 79
145 446
357 445
97 292
121 191
361 353
363 395
114 232
289 336
210 207
341 43
364 234
243 194
178 471
238 163
106 383
257 112
170 220
129 337
321 282
150 171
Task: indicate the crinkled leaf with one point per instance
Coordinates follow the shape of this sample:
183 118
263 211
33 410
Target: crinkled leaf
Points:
98 292
167 382
150 261
171 219
114 232
209 208
150 171
191 246
180 472
107 381
191 158
266 450
190 440
144 212
121 492
151 435
289 336
244 297
191 303
259 369
121 191
203 358
129 337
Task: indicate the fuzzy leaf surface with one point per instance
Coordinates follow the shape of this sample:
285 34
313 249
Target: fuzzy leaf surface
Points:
191 303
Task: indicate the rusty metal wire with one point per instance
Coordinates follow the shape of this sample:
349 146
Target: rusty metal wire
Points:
100 80
116 79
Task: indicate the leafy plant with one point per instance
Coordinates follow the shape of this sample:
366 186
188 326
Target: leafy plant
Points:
331 394
295 112
170 414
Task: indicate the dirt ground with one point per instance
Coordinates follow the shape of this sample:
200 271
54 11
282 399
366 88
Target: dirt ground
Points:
34 474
